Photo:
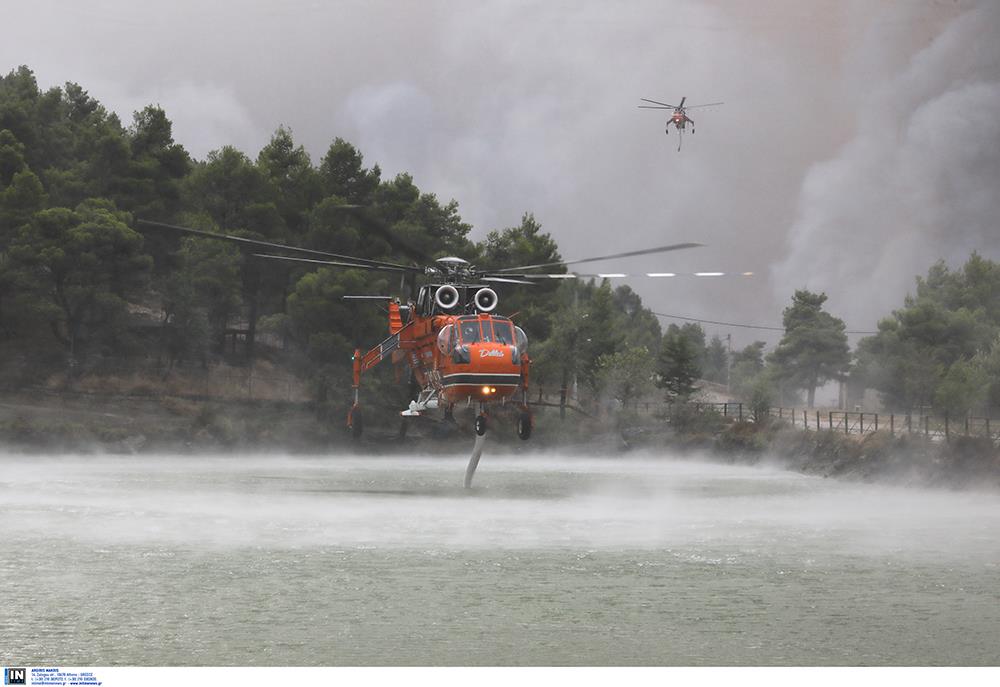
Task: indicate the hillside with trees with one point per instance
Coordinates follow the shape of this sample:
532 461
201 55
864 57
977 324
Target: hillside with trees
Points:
85 295
83 292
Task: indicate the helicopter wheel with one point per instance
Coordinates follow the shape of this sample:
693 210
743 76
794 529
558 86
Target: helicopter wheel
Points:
355 420
524 426
481 425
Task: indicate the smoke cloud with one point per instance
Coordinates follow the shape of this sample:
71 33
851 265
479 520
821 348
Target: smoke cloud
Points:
858 142
917 181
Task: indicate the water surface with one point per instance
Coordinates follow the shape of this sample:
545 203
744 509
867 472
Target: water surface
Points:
179 560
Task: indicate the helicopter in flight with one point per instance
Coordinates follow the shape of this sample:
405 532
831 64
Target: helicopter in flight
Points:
679 118
458 349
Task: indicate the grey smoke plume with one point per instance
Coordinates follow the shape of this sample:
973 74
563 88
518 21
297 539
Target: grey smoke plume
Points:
857 143
919 179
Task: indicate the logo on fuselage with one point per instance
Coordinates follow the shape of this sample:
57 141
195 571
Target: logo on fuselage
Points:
492 353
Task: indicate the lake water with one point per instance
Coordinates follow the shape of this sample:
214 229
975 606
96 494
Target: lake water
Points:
276 560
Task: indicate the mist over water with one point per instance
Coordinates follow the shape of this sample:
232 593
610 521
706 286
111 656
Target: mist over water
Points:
548 560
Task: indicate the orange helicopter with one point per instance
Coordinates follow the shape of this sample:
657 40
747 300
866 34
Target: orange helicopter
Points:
679 117
457 348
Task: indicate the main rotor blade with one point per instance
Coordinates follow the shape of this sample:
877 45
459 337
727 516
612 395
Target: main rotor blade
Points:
656 275
507 280
681 106
624 275
534 275
654 107
280 246
657 102
628 254
691 107
336 263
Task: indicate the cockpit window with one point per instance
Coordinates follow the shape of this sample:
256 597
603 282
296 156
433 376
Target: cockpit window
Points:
502 332
446 339
470 332
522 339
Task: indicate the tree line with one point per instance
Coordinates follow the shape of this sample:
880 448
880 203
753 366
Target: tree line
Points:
938 353
79 283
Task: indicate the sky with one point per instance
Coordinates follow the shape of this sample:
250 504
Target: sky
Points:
858 142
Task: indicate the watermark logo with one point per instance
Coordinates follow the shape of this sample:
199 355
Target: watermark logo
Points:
14 676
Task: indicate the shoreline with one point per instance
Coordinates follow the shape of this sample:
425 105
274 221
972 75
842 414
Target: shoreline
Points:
46 421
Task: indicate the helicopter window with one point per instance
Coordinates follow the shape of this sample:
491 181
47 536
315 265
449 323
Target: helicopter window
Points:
502 332
470 332
487 331
446 339
522 339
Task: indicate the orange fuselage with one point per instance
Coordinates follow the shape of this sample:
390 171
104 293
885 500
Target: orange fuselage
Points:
467 358
476 359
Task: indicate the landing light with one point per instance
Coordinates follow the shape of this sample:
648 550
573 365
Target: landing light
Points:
486 390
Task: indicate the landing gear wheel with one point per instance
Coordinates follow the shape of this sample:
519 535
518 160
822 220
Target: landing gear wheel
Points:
524 426
356 422
481 425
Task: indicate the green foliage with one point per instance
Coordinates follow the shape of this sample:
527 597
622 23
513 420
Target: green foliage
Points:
226 187
418 222
987 366
746 365
678 365
588 328
954 317
625 375
343 175
74 269
760 397
295 184
814 348
18 202
522 245
203 294
328 327
716 361
639 325
152 187
962 388
11 157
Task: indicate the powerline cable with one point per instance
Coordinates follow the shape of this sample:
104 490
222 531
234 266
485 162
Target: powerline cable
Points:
744 326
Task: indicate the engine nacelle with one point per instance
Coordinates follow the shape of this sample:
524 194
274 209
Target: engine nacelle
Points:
486 300
446 297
